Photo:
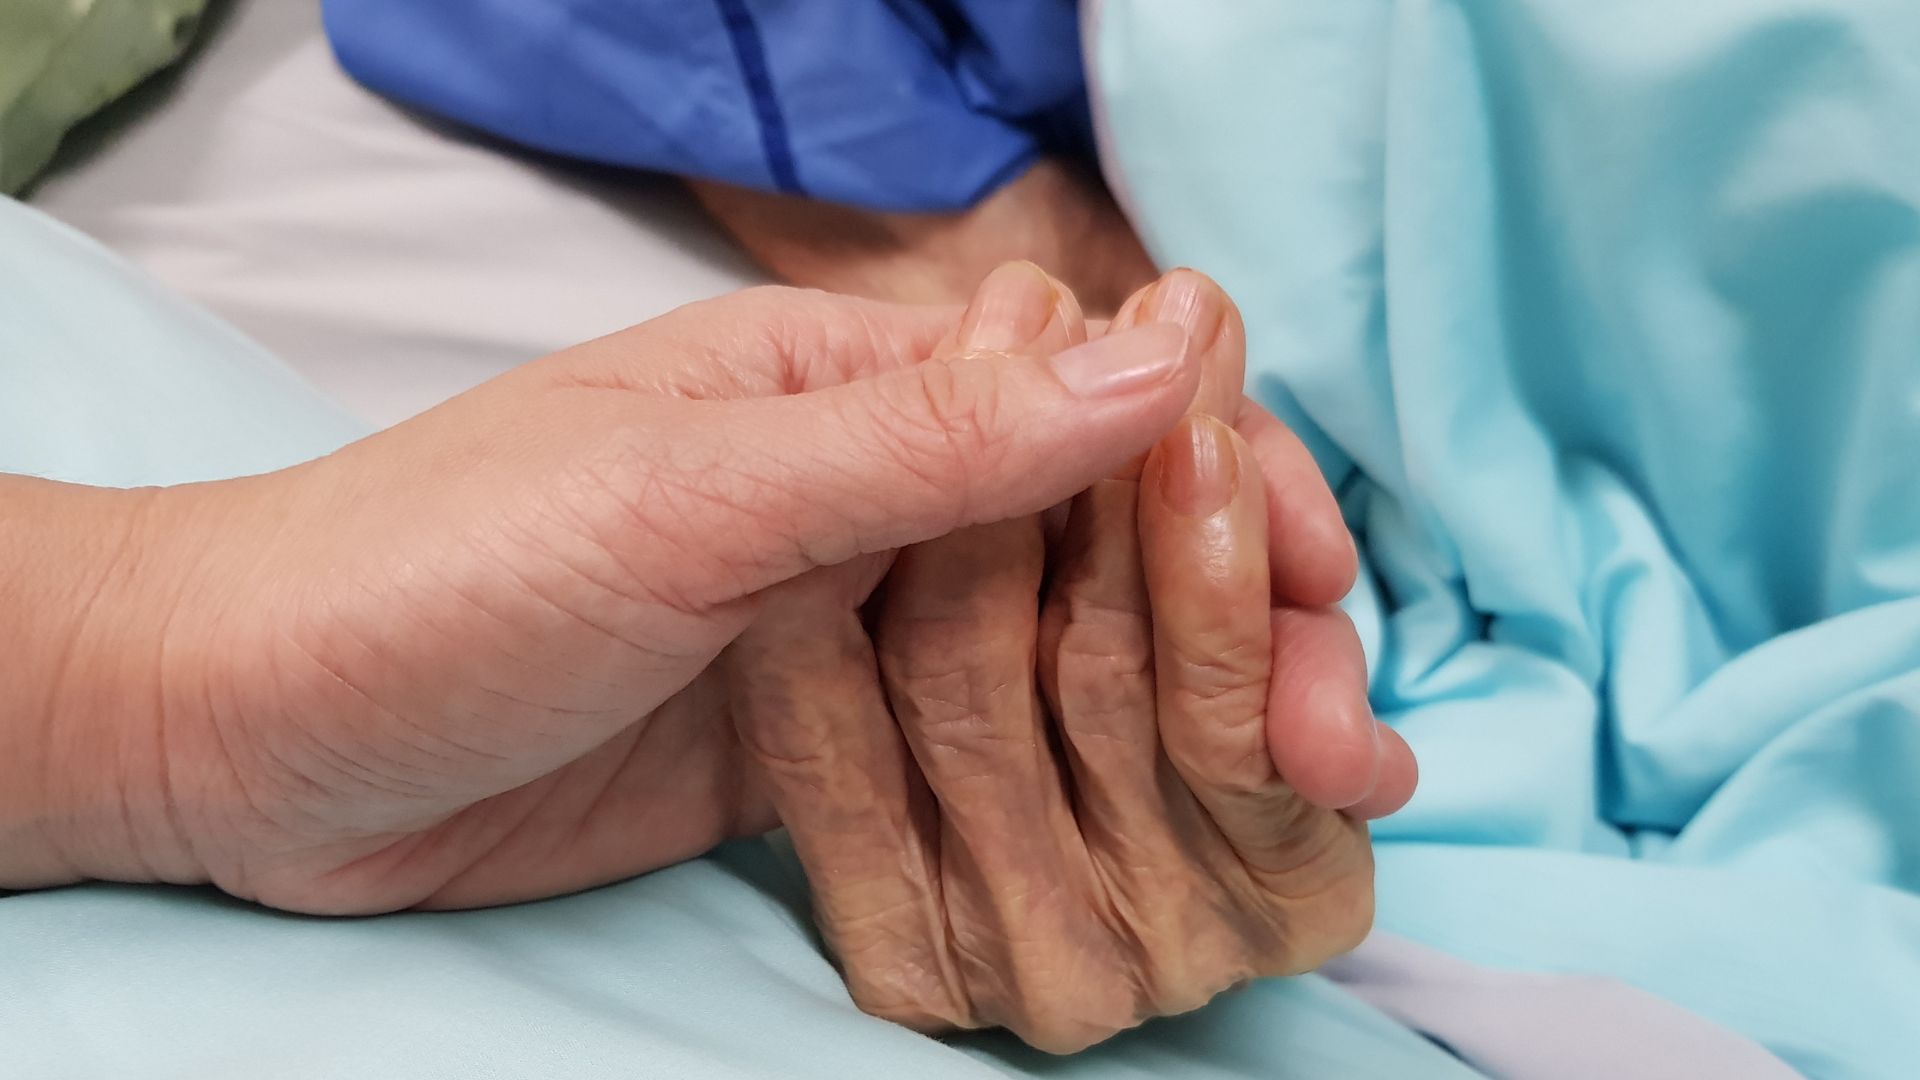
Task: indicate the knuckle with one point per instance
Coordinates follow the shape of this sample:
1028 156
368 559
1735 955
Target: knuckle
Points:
952 674
1214 722
791 695
1054 1029
1100 658
909 994
956 685
1221 671
1313 851
801 755
1067 1009
1346 910
1106 692
1325 904
1061 1038
1094 629
1194 938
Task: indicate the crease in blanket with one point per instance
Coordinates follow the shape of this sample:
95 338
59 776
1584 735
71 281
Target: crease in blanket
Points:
1605 321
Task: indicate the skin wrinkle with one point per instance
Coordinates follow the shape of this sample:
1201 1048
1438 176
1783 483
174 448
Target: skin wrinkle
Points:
392 718
1136 921
389 718
360 777
884 341
115 569
863 948
567 612
366 647
166 642
941 437
554 815
519 535
504 834
738 491
651 492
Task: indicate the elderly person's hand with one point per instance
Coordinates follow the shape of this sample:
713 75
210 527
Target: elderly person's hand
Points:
1068 848
1054 213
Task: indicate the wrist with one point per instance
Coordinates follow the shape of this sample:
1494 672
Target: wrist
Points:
88 755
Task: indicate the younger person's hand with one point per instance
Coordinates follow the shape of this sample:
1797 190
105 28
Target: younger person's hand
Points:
471 659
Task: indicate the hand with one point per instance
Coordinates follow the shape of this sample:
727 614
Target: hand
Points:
470 660
1070 853
1054 215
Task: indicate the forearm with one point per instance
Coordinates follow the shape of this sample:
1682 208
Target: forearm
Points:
1053 215
84 629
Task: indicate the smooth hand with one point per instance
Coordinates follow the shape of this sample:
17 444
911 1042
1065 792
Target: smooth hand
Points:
471 659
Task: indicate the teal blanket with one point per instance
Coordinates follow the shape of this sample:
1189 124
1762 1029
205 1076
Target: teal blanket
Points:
1604 319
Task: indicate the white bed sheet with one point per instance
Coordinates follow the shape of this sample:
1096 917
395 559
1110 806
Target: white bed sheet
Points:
391 260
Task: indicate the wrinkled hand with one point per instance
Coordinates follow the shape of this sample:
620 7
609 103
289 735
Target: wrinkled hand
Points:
1123 829
1053 214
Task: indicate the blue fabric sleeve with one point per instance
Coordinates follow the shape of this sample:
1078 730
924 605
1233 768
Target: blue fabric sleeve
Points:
899 105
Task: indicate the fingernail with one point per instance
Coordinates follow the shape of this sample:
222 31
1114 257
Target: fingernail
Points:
1011 309
1122 363
1187 300
1198 474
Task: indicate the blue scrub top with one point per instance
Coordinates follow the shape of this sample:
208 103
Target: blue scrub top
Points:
895 105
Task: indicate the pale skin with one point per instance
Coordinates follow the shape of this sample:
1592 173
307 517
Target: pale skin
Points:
558 632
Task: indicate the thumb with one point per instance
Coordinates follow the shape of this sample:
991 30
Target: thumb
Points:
815 479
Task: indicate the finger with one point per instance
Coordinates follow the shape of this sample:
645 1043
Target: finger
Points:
1324 738
1202 528
1096 667
1203 539
1215 336
1195 302
1162 862
808 710
1394 786
955 637
1312 554
760 342
841 775
759 491
1018 308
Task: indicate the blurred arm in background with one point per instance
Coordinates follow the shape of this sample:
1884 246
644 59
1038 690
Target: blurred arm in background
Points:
896 150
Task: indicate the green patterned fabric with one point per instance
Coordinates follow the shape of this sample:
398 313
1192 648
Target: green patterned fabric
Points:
62 59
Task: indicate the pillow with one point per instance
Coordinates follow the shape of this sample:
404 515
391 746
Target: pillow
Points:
62 59
391 261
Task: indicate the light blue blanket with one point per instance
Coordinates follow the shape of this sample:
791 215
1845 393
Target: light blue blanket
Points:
1605 320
